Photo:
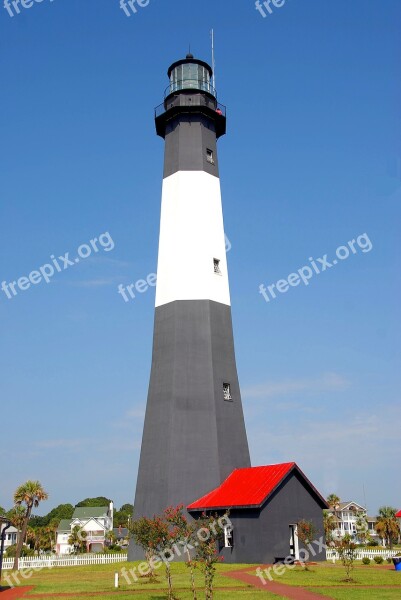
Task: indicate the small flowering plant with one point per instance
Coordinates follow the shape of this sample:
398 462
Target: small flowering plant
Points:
185 532
207 555
306 532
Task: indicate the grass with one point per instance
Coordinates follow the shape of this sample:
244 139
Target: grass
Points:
352 594
80 581
326 574
325 579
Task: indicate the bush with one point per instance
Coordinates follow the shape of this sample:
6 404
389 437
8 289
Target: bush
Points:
26 551
389 560
366 560
378 560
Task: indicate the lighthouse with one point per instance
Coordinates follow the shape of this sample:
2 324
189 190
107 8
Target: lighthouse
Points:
194 433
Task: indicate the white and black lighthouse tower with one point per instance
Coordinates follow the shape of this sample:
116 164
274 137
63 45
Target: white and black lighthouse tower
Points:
194 433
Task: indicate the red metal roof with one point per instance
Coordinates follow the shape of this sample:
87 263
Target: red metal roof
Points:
398 515
245 487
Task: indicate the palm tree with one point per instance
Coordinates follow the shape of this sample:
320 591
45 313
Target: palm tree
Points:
51 532
330 524
387 525
333 501
16 516
111 537
29 494
77 539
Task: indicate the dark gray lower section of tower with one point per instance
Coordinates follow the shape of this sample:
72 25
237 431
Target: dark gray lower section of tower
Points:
193 438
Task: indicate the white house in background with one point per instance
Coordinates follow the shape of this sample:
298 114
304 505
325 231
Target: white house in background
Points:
10 537
95 521
347 515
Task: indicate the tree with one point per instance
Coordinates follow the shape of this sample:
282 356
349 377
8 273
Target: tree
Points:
362 528
333 501
99 501
185 533
329 524
124 515
306 531
387 525
16 516
164 540
29 494
347 552
207 556
78 539
143 532
2 511
51 533
111 537
62 511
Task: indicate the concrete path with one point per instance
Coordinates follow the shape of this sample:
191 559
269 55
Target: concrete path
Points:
294 593
14 593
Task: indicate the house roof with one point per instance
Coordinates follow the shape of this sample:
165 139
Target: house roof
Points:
10 529
344 505
64 525
398 515
86 512
250 487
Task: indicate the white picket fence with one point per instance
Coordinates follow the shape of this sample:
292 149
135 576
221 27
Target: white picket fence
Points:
363 552
43 562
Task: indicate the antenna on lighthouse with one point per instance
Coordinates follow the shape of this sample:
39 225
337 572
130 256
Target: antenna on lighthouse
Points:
213 62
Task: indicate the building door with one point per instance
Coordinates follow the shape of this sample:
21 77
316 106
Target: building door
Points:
294 545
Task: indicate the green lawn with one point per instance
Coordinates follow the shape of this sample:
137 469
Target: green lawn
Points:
326 579
326 574
100 578
348 594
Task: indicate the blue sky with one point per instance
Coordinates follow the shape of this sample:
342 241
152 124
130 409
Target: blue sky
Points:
311 160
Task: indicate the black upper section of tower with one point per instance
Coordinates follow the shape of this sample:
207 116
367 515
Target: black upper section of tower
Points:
190 92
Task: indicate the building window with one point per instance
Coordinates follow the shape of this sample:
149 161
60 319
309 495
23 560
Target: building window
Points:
216 266
228 536
209 156
227 391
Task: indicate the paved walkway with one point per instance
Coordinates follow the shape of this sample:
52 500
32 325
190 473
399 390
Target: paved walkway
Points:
294 593
14 593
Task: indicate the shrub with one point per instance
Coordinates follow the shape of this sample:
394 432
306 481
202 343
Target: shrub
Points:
389 560
26 551
366 560
378 560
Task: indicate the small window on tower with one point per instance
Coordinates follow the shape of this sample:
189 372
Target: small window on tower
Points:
216 266
227 391
209 156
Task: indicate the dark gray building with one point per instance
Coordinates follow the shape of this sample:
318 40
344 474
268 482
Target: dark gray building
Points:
265 505
194 434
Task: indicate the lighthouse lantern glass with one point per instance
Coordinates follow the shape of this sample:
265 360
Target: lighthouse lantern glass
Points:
190 76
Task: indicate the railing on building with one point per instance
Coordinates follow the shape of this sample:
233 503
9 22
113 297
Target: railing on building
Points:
184 101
